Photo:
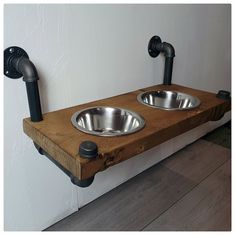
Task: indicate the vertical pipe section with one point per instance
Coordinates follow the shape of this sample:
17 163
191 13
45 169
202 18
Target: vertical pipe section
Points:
30 76
156 46
168 70
34 101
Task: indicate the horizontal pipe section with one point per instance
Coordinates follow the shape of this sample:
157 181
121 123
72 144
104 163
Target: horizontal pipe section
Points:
81 183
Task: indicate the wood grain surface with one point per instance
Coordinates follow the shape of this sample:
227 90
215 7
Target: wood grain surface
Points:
57 136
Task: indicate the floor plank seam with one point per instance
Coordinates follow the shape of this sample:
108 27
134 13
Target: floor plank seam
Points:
161 163
185 194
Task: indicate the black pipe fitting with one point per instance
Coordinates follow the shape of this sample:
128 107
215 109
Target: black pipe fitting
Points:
25 67
156 46
224 95
16 65
167 49
88 149
81 183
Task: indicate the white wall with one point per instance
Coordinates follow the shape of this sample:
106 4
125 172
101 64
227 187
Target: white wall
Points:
88 52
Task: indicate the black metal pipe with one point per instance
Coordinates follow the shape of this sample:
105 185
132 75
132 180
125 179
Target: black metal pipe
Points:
81 183
29 72
156 46
169 53
16 65
34 101
168 70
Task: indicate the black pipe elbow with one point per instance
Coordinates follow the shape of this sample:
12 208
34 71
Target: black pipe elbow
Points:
28 70
167 49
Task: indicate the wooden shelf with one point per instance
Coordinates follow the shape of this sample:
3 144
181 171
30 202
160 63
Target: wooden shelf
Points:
61 140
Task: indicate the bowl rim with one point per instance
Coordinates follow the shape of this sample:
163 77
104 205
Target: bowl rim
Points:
140 118
197 100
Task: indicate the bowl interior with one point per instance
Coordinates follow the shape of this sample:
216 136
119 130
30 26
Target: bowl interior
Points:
107 121
169 100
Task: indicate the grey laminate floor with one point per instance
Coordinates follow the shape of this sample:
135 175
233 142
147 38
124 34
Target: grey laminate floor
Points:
221 135
190 191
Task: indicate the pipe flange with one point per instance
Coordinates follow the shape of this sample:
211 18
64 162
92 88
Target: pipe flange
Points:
9 54
154 41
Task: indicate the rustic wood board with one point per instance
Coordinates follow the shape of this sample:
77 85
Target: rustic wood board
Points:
57 136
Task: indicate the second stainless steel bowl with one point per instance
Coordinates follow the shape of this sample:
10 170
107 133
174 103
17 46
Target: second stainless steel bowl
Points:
168 100
107 121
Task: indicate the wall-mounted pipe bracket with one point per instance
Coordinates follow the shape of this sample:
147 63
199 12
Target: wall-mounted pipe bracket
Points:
155 47
16 65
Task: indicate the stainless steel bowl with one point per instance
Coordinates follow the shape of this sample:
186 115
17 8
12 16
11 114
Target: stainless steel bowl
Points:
107 121
168 100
